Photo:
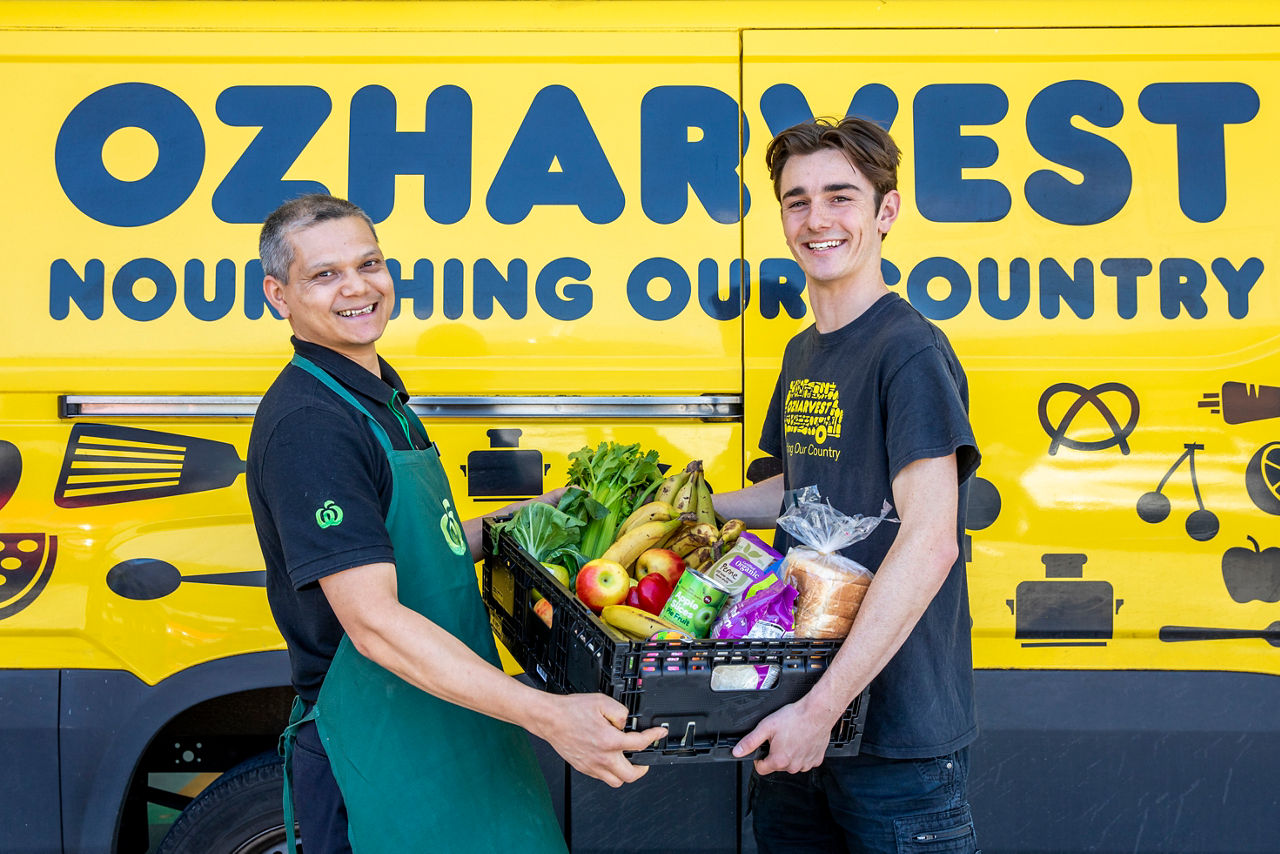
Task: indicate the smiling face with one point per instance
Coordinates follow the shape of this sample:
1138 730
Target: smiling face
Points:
831 222
339 293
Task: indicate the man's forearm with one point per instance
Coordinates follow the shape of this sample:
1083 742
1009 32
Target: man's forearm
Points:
757 505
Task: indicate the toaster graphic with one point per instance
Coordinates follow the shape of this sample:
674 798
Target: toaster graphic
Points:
504 471
1063 609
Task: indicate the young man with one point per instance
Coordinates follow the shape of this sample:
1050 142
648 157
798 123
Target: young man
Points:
896 428
371 578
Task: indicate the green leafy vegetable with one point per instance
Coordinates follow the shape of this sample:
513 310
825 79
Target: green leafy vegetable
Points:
547 533
615 478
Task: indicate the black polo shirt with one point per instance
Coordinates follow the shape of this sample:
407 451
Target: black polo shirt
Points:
320 486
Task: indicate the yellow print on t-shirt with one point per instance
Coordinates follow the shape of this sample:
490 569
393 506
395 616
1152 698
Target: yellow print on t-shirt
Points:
812 409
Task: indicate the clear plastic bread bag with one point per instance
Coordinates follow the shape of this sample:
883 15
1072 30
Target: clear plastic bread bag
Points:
830 585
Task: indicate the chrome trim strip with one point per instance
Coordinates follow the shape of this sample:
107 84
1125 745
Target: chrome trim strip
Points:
712 407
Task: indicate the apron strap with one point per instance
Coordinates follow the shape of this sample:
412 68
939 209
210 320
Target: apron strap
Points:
417 424
333 385
298 716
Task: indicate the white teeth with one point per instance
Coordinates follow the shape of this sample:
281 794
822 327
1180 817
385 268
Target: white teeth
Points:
356 312
824 244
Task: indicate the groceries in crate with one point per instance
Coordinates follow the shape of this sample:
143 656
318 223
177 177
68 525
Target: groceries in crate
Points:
830 585
712 689
628 536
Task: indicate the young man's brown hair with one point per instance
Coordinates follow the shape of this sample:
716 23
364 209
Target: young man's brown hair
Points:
867 146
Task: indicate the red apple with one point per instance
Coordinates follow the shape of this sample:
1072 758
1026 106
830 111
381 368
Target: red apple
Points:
633 598
653 591
544 611
602 582
661 561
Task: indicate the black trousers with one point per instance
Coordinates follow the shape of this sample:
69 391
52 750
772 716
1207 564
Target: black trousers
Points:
317 802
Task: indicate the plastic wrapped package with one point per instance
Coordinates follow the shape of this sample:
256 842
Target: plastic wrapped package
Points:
830 586
766 615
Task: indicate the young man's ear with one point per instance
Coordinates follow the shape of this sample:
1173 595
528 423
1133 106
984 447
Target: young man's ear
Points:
273 290
890 205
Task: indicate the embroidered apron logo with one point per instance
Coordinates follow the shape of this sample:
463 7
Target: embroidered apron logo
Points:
452 529
329 515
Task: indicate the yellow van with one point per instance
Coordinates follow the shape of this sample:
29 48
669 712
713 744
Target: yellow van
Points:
586 247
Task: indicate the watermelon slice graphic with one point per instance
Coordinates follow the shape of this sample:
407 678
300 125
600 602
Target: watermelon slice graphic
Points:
26 562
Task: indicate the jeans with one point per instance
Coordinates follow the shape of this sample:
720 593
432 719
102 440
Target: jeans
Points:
317 803
866 805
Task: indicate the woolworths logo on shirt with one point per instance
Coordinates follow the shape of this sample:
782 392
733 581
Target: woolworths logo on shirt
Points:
329 515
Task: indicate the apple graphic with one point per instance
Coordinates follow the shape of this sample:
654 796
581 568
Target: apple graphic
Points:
602 582
1251 575
561 573
665 562
652 592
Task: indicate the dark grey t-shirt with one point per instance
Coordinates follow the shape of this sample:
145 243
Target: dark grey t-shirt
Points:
851 409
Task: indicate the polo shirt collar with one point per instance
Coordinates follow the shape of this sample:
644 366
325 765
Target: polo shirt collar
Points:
355 377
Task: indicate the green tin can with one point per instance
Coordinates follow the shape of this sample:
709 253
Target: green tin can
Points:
695 603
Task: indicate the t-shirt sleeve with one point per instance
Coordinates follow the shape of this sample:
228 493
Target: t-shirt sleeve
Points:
928 416
320 477
771 433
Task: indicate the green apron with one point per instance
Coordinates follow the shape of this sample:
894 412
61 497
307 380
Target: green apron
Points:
418 773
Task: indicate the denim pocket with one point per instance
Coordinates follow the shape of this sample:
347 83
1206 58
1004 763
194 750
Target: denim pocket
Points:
947 831
945 775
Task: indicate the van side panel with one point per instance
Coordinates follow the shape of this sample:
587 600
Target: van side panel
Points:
1133 761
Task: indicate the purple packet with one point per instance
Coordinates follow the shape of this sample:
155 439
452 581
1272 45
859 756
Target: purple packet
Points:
768 614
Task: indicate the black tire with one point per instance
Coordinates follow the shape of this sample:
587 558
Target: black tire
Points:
241 812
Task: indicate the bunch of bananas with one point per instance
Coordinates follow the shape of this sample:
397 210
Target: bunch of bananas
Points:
703 540
646 528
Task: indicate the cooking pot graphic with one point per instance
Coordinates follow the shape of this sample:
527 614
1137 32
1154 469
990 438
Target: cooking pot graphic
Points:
1064 609
504 471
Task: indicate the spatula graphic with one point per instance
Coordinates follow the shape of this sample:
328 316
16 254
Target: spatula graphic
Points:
1271 634
146 578
111 464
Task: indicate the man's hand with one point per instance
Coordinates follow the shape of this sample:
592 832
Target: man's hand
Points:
586 730
797 740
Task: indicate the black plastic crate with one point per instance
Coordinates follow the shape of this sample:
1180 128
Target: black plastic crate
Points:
662 683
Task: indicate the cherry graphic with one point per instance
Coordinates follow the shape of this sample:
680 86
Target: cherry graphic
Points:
1154 507
1201 525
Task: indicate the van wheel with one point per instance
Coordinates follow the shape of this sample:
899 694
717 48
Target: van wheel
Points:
241 812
